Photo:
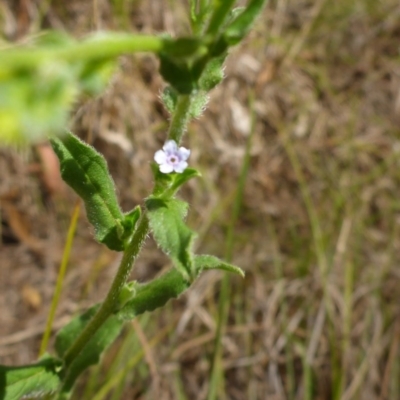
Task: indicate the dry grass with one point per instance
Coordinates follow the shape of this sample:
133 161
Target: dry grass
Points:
317 316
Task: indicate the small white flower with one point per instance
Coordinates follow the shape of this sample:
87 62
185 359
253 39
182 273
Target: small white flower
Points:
172 159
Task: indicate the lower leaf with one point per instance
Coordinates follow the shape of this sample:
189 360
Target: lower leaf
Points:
204 262
34 380
171 233
92 352
154 294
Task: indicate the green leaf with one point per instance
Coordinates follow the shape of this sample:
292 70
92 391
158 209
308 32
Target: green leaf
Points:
193 15
199 15
222 8
180 179
199 100
130 220
154 294
162 181
85 170
241 24
178 74
95 75
169 97
92 352
127 292
171 233
213 73
34 380
166 185
35 102
204 262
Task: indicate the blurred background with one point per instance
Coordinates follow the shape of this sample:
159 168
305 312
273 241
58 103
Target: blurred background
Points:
313 93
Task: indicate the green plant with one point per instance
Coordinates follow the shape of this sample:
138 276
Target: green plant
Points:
38 84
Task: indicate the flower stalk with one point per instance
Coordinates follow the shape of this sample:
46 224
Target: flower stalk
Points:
180 118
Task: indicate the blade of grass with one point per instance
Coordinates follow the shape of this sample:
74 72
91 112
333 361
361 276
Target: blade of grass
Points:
128 347
323 265
91 385
224 299
116 379
279 273
60 278
179 388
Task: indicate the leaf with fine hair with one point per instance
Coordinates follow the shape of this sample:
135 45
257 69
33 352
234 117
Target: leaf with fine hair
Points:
171 233
34 380
154 294
178 74
221 10
85 170
213 73
93 350
237 29
204 262
199 99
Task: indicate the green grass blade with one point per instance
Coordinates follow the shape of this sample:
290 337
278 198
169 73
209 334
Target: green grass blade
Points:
60 278
224 299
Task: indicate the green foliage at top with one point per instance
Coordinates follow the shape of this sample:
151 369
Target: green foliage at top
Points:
40 82
35 96
238 28
85 170
33 103
226 28
34 380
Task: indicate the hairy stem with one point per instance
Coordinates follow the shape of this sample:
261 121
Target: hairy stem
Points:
180 118
111 301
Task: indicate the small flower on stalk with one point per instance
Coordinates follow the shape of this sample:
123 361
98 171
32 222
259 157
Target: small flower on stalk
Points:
171 158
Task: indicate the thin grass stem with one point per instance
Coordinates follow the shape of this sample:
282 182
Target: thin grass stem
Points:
60 278
224 299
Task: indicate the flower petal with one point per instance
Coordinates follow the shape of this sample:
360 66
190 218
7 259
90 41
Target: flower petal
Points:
170 146
160 157
166 168
184 153
180 167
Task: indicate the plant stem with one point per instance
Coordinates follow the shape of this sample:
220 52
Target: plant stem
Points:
110 45
112 298
180 118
